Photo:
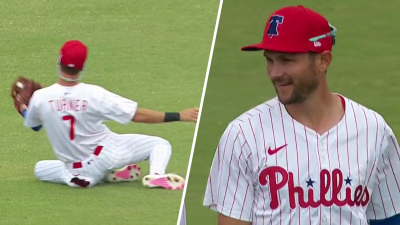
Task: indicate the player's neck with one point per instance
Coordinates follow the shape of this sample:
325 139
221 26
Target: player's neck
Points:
320 112
67 83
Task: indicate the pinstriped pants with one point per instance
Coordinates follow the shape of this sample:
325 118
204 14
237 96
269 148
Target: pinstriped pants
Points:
118 151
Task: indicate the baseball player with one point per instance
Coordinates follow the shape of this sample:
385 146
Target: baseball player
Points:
72 114
307 156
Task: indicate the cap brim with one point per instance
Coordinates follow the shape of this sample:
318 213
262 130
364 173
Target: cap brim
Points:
276 47
255 47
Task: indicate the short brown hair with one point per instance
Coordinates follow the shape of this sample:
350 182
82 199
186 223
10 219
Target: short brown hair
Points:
312 55
69 70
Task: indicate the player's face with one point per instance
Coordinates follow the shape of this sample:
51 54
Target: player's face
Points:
294 76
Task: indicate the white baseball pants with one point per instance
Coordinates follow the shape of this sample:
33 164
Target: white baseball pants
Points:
116 151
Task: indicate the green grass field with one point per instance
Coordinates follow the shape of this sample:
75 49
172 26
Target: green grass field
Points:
366 68
155 52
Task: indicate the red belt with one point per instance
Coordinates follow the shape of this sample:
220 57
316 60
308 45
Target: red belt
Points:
78 165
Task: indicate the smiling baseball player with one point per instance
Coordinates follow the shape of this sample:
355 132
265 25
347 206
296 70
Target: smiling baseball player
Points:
308 156
88 152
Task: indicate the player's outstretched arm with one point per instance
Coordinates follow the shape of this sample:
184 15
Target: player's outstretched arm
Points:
110 106
143 115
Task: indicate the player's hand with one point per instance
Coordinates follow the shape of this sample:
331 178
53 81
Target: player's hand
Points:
189 115
22 107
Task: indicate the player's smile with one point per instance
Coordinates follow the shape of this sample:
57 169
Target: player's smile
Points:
284 89
283 84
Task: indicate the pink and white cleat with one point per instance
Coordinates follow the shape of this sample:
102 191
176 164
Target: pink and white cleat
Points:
127 173
167 181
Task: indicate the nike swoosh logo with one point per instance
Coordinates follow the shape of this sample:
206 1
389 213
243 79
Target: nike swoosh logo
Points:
274 151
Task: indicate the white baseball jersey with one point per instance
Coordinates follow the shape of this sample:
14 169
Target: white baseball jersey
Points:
270 169
73 117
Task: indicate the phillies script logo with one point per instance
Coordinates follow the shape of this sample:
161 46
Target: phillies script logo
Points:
335 181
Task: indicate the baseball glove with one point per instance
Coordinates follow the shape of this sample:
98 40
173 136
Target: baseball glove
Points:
22 90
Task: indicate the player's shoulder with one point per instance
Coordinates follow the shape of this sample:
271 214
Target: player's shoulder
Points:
251 117
362 112
94 92
98 90
92 87
260 109
45 91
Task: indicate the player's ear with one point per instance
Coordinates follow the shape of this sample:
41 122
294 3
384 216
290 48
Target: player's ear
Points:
323 61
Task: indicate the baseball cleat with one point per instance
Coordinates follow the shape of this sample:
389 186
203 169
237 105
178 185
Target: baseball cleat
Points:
127 173
167 181
80 182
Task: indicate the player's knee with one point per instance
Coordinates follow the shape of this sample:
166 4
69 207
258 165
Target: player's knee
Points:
166 144
38 169
45 168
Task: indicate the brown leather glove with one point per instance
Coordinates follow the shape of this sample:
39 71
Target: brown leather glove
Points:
22 90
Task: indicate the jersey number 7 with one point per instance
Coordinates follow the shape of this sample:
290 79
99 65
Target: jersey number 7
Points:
72 126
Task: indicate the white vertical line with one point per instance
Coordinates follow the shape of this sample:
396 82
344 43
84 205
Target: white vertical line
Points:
199 117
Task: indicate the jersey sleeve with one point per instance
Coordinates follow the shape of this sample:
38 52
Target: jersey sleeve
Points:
111 106
229 188
32 116
385 197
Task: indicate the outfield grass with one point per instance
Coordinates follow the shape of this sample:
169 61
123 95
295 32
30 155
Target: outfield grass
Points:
155 52
365 68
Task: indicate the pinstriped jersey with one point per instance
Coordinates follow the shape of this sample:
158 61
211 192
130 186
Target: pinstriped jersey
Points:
270 169
73 117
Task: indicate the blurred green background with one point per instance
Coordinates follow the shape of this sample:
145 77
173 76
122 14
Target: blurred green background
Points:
365 68
154 52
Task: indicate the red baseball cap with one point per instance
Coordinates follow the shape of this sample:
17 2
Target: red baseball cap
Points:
73 54
296 29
